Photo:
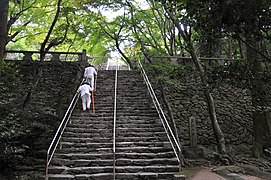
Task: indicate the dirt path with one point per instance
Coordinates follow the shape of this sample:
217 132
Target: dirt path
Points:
207 174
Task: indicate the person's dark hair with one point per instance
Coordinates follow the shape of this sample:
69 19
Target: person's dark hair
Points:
89 65
85 83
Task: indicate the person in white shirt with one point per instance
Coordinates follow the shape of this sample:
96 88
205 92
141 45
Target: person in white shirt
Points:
85 89
90 74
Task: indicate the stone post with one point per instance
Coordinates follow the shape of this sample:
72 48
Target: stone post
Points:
55 57
27 56
83 58
193 132
84 55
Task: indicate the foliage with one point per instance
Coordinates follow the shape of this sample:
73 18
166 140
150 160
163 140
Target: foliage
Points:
11 149
82 29
215 23
214 20
4 66
167 72
232 70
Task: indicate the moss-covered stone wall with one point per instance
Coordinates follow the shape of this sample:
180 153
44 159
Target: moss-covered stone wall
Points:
233 107
33 99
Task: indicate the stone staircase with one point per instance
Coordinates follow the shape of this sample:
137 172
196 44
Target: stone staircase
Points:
142 148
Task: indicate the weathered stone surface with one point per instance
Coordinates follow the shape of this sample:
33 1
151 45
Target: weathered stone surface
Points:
233 108
143 150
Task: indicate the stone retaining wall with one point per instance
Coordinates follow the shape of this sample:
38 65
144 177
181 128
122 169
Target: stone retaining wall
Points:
233 108
56 86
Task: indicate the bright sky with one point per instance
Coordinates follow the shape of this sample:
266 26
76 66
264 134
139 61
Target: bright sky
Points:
111 14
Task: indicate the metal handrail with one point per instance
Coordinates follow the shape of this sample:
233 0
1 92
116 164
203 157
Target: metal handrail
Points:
174 143
114 126
52 148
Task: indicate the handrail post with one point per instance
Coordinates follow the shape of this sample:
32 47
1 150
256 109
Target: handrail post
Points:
114 126
92 102
46 168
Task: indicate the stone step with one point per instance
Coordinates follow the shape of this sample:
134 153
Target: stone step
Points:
121 134
99 115
96 176
77 128
145 176
99 129
60 177
85 150
144 144
85 145
109 162
124 108
109 150
131 81
118 134
106 140
132 156
86 156
81 162
143 149
80 148
103 116
121 111
133 125
109 169
118 144
128 98
105 104
146 162
119 124
87 140
89 127
131 145
134 91
80 170
121 93
120 117
118 176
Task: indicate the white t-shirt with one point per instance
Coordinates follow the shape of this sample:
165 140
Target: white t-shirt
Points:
85 89
90 72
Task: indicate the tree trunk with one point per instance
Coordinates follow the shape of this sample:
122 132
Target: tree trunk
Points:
43 50
3 27
210 102
186 35
122 53
260 102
